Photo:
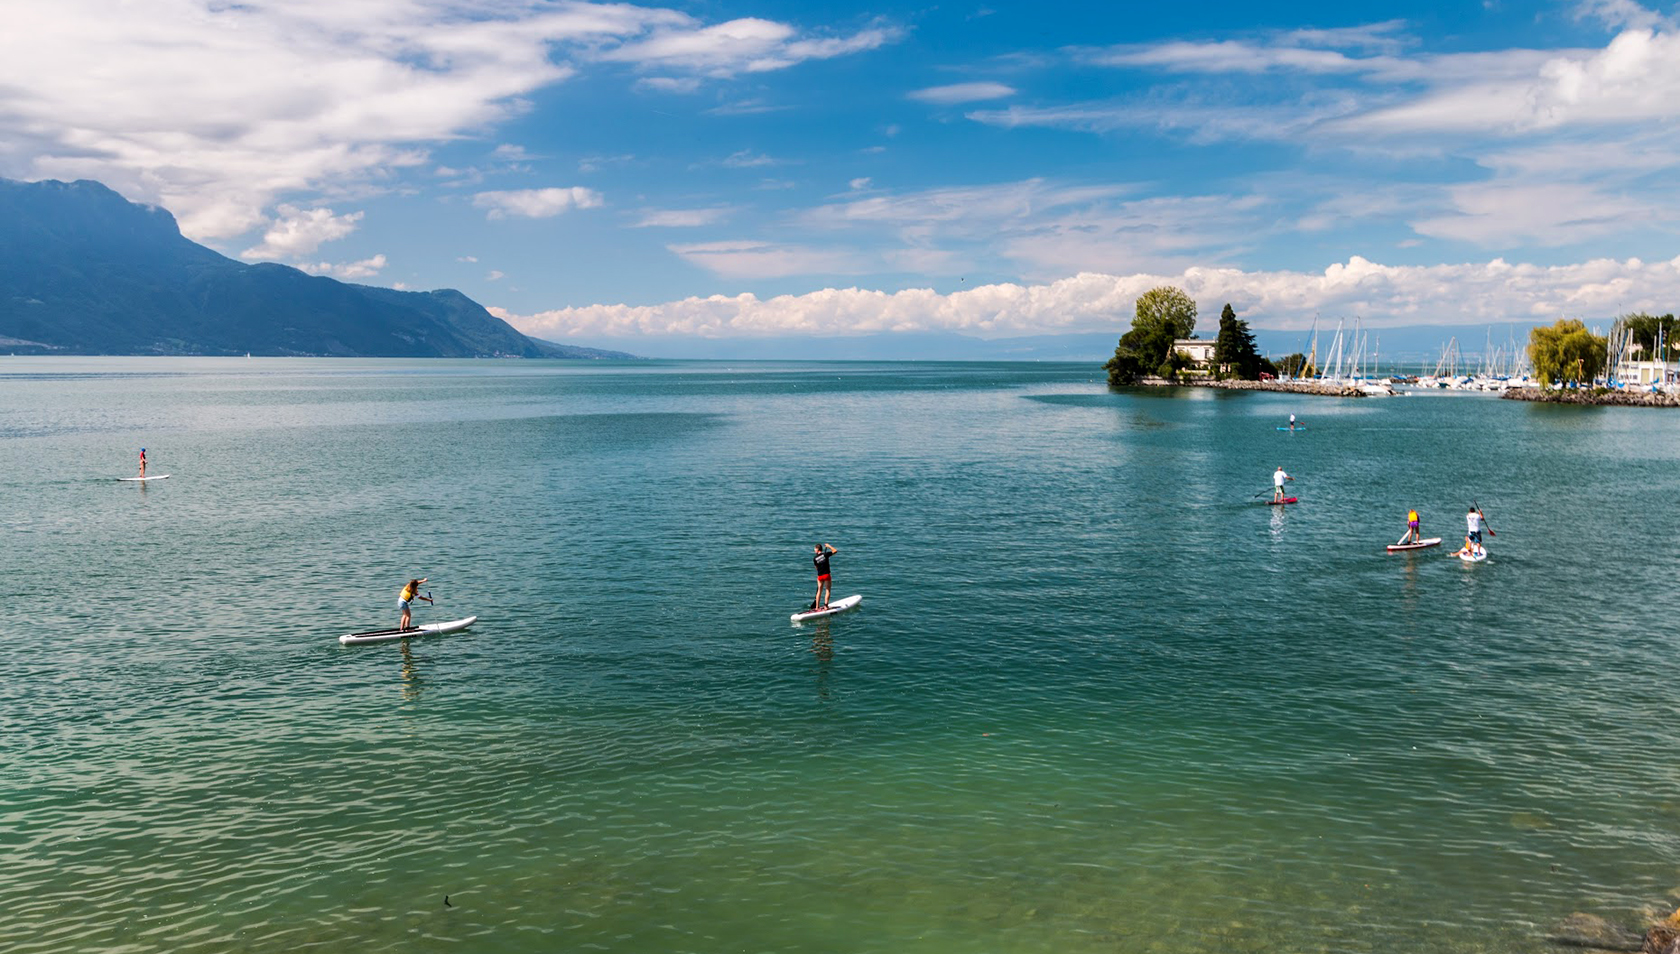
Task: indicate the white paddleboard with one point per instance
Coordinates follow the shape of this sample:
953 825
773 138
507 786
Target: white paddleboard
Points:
838 606
138 479
386 635
1475 557
1425 543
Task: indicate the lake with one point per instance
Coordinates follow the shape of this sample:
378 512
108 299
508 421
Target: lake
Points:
1097 697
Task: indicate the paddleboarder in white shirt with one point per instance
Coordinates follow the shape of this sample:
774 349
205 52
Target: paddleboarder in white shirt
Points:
1291 422
1473 534
1277 484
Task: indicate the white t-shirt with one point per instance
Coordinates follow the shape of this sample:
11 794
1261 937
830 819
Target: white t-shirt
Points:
1278 478
1474 520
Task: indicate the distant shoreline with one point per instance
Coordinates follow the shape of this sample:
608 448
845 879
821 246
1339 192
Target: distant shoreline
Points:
1595 397
1290 387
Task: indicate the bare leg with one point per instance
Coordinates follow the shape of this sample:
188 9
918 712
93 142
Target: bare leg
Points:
405 619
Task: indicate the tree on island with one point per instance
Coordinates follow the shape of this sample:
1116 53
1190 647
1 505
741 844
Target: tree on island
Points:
1163 315
1645 328
1233 350
1566 351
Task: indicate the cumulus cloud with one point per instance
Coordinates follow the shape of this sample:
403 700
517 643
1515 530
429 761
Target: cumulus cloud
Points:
1383 295
961 93
298 232
348 271
215 110
536 203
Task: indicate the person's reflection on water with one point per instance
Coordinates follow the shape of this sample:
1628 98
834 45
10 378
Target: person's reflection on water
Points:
412 682
822 647
1277 520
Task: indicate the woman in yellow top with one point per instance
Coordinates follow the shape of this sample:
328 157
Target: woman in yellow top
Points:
410 593
1413 535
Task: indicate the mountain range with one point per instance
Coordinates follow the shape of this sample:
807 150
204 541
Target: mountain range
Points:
85 271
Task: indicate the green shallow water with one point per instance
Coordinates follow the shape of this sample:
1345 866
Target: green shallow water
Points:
1097 698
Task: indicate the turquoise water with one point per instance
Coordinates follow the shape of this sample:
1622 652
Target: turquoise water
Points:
1098 698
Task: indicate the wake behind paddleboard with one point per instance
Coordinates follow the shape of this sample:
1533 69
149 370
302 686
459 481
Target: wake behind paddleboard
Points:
1423 544
386 635
1279 503
838 606
138 479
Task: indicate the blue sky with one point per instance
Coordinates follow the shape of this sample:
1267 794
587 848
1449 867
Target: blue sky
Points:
746 169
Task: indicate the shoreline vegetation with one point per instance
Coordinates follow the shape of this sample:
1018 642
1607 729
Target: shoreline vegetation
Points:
1161 350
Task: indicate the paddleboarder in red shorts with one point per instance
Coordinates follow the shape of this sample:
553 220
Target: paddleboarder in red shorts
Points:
822 552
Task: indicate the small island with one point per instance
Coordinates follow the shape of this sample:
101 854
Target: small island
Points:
1161 350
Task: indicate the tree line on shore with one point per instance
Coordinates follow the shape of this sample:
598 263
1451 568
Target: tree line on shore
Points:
1563 352
1566 352
1165 315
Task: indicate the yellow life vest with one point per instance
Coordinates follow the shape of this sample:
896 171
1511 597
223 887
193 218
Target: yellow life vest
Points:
408 591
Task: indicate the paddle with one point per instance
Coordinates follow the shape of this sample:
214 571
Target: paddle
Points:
1484 518
1403 537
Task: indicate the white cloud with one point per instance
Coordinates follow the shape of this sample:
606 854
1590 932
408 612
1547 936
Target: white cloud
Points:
747 159
495 276
962 93
1383 295
762 260
679 218
1618 14
348 271
859 184
536 203
299 232
215 110
1550 214
746 45
670 84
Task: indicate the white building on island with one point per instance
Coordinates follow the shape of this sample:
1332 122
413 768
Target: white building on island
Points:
1198 351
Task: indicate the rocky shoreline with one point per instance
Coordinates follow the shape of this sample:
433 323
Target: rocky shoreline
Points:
1593 933
1597 397
1292 387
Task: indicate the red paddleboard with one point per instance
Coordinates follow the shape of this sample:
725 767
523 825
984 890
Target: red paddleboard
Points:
1286 500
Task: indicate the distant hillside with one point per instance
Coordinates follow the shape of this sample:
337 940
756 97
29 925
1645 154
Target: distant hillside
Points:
84 271
554 349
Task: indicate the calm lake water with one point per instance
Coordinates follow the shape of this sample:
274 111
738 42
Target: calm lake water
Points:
1097 698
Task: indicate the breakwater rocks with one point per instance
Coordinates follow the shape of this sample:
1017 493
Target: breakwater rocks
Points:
1293 387
1601 397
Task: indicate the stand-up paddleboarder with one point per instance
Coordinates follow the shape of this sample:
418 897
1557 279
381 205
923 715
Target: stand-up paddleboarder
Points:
410 593
1277 484
820 557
